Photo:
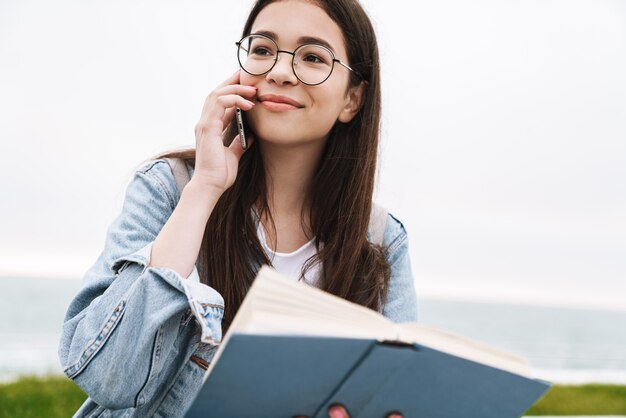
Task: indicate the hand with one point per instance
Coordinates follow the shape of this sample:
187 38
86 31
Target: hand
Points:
338 411
216 164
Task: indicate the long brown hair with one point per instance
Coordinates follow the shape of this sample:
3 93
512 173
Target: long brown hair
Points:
340 198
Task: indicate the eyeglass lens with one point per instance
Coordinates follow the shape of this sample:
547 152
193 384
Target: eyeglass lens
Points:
312 63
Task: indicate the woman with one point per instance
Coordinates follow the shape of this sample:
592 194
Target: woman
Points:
175 268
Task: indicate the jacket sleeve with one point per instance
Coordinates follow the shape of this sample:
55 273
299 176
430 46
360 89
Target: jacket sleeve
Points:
401 303
122 324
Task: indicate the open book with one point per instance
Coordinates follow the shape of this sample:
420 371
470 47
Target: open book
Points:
293 349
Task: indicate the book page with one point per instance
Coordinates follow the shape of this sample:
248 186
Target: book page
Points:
460 346
277 305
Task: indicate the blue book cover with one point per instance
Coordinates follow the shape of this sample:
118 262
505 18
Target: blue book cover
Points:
262 370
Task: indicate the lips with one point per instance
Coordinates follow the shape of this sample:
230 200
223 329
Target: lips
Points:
279 103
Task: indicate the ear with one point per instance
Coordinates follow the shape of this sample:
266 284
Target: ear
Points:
354 100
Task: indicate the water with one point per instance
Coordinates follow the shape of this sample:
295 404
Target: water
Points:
31 316
562 345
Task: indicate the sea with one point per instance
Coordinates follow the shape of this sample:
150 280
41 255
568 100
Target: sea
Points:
562 345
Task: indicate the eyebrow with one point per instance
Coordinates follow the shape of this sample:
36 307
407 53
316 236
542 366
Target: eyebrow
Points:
301 40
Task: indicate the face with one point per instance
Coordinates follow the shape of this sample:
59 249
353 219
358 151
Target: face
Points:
314 109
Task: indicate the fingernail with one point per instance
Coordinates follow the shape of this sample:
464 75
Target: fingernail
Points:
250 103
336 412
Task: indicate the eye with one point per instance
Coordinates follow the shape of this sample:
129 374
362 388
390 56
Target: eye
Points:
313 59
262 51
314 55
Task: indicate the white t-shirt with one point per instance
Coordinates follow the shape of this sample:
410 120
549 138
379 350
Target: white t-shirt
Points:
290 264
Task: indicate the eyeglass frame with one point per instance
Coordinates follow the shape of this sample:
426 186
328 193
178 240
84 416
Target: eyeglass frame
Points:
293 59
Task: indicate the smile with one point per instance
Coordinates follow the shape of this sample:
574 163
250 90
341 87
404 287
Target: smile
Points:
277 103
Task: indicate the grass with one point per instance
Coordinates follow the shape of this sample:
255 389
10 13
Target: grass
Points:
37 397
582 400
54 396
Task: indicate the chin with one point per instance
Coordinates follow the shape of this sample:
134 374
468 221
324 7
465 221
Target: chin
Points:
285 138
285 133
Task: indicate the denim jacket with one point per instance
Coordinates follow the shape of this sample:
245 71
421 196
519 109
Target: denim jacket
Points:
138 340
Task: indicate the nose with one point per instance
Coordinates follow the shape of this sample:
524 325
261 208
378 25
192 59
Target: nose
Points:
282 72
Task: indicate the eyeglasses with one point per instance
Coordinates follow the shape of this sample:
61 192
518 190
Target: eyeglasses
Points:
311 63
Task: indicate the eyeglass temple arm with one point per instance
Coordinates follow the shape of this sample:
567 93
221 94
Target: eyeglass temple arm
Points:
345 65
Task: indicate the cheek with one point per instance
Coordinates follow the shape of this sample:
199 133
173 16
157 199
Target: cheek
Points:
330 102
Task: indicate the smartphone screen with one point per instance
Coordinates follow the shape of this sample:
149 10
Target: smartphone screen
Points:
240 126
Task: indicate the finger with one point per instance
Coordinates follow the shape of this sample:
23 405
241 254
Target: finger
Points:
207 129
233 79
228 116
233 90
338 411
236 147
215 104
240 89
223 111
394 414
224 102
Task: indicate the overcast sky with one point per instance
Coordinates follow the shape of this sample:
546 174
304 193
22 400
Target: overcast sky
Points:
504 136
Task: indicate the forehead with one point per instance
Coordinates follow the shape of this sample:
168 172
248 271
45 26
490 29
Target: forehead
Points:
293 20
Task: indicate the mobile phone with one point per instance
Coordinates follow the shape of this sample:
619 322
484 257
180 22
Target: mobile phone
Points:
240 126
